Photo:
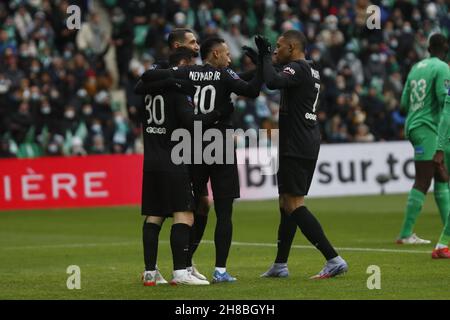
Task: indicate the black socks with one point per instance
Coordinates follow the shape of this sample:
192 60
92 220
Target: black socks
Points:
196 235
179 242
224 230
286 233
313 231
150 235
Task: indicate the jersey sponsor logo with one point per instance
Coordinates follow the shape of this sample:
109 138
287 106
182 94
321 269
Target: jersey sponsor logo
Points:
155 130
289 70
419 150
233 74
310 116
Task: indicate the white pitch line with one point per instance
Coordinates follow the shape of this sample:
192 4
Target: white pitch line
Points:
257 244
72 245
235 243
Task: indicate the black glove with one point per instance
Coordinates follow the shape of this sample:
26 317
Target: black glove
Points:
263 45
251 53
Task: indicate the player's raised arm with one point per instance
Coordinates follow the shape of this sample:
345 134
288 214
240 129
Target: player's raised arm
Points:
180 85
276 80
249 89
156 75
146 87
162 74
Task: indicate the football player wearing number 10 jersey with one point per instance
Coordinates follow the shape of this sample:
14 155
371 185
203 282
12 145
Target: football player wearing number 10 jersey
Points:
166 188
215 82
298 150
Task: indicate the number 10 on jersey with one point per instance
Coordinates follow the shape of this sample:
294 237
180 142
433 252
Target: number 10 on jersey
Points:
200 97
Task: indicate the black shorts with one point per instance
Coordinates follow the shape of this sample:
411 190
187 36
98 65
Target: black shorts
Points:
295 175
199 189
164 193
224 180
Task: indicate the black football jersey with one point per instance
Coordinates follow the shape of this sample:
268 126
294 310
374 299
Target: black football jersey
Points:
214 87
163 112
299 82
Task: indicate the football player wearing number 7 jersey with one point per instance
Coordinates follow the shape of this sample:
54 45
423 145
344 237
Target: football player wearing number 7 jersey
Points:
423 99
299 144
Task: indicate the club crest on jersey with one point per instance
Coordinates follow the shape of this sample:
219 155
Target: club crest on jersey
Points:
289 70
233 74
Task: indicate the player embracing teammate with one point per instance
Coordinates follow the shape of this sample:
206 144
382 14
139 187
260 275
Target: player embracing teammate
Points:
299 83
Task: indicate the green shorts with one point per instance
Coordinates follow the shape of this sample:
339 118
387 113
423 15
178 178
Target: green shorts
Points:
424 141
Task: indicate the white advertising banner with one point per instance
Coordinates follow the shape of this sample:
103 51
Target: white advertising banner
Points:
342 170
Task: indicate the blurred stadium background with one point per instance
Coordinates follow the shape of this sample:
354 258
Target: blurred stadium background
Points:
69 92
66 93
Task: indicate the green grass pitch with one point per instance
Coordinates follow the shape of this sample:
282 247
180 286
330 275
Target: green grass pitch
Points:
36 247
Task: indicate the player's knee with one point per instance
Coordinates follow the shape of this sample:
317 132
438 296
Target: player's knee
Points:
422 185
155 220
441 174
183 217
292 203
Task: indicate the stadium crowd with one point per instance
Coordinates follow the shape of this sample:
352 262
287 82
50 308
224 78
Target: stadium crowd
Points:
55 85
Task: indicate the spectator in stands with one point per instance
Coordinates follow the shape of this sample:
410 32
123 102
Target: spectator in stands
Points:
49 73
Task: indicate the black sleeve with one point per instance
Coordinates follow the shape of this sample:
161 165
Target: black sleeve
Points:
155 75
150 87
161 74
288 77
179 85
249 89
247 75
185 112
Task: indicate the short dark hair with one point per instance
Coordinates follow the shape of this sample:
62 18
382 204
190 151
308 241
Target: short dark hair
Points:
207 46
438 44
177 34
297 36
180 54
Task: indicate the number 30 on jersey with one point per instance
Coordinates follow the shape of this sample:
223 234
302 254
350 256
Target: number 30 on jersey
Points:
151 105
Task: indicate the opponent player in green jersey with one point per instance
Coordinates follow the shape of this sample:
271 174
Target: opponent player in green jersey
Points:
442 157
423 98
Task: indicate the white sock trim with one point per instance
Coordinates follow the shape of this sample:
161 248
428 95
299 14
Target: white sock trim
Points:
221 270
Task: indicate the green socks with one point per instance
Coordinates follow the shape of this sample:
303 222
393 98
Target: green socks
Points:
413 208
442 198
445 235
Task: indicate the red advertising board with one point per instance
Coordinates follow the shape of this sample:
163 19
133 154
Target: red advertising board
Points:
70 182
